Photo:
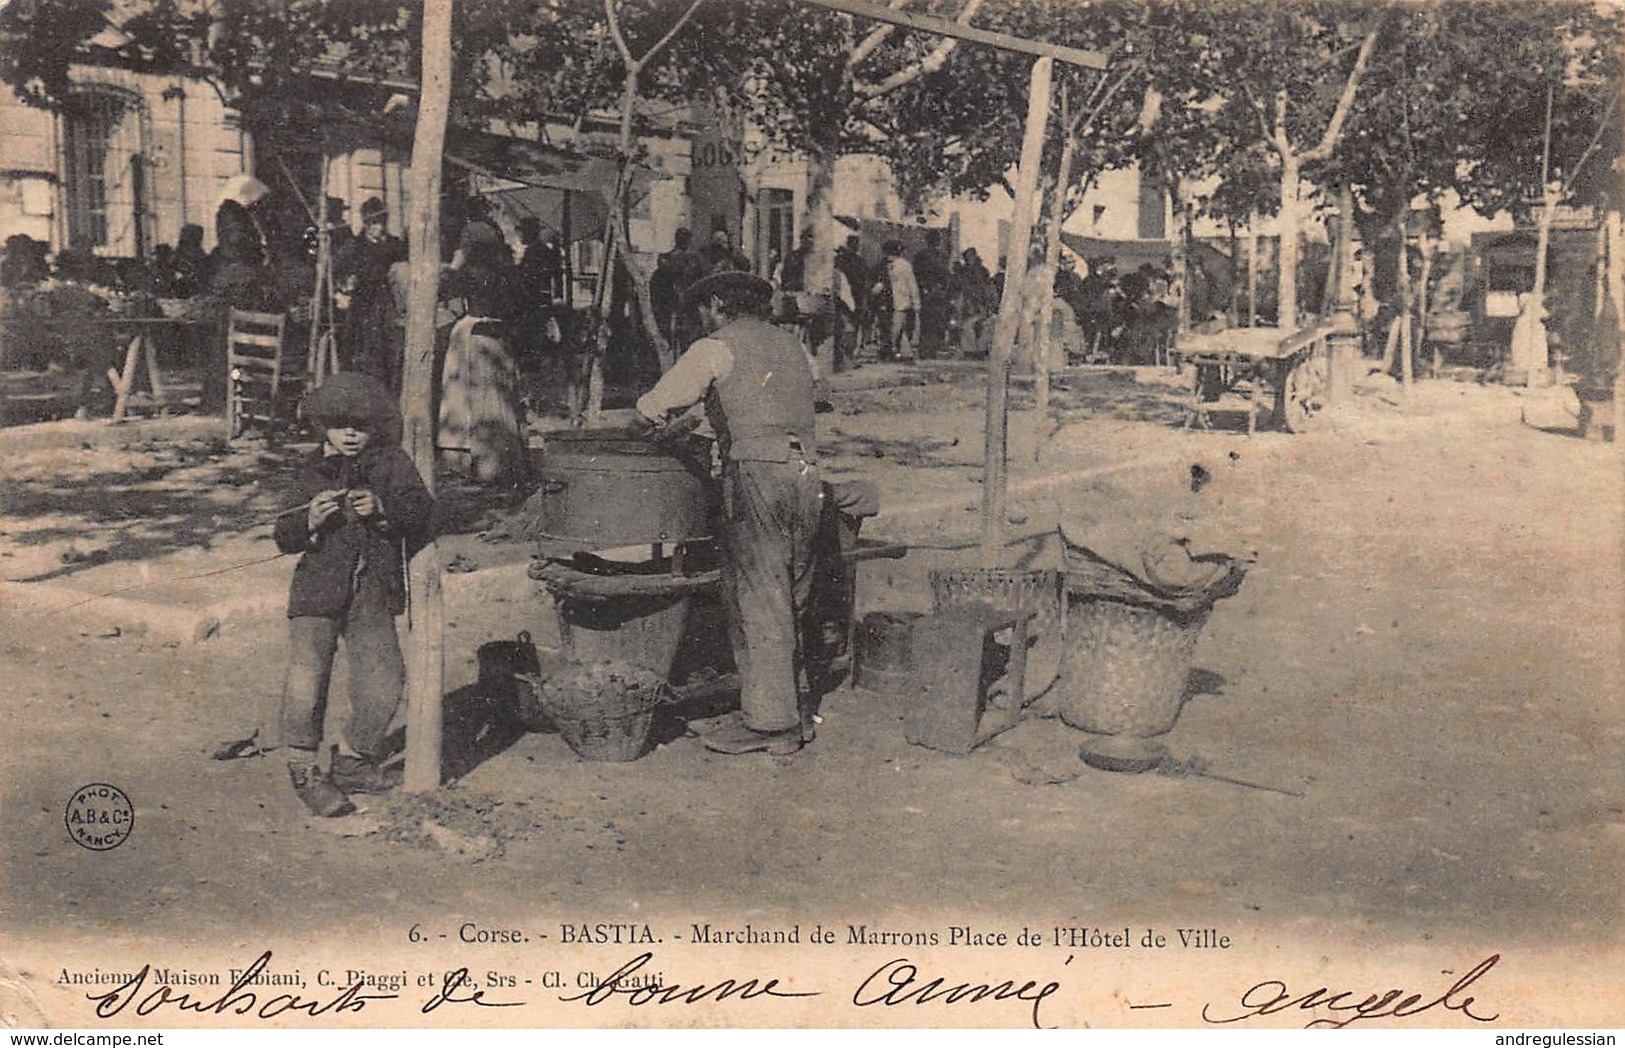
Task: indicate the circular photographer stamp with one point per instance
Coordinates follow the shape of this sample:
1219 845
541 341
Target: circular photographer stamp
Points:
99 817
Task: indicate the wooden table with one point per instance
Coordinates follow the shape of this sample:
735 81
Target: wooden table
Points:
1235 367
138 338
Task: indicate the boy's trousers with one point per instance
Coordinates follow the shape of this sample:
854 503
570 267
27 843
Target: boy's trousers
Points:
377 672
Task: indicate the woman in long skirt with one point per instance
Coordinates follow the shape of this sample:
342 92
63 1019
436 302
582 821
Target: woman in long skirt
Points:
481 421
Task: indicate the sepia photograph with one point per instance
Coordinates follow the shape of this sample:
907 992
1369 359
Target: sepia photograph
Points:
812 514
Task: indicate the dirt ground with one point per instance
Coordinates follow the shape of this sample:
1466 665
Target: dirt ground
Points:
1423 668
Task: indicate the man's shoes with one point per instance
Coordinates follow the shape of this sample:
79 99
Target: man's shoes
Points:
736 737
313 786
360 775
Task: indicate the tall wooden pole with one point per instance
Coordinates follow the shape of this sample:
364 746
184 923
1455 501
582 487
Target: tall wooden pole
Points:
425 653
995 459
1052 262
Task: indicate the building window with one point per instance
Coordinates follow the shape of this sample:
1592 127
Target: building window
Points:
103 160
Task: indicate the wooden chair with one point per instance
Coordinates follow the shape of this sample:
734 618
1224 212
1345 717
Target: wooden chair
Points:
258 386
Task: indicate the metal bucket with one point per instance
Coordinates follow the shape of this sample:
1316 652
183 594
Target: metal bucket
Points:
884 660
601 488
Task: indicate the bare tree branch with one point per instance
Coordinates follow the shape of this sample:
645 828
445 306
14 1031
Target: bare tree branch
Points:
876 37
1084 121
1345 102
1591 147
914 70
615 33
1258 108
663 41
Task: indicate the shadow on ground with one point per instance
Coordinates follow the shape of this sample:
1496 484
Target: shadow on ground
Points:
110 505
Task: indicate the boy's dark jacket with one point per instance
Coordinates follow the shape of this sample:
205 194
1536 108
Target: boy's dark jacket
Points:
327 574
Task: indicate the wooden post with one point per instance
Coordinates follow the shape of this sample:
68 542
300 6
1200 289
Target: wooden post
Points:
124 381
1052 260
994 479
425 654
1614 288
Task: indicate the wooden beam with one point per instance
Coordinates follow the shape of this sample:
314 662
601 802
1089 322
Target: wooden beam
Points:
942 27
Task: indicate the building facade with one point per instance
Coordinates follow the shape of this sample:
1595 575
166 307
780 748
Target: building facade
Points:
121 166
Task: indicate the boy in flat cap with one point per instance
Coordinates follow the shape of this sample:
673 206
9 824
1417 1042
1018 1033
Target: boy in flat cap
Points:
367 512
757 385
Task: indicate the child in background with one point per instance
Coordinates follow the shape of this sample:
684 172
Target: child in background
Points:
368 512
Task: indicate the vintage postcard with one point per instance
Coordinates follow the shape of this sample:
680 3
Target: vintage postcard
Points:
730 586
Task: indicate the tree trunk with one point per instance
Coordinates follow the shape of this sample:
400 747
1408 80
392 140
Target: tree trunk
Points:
623 187
1407 298
1423 304
1233 314
425 652
1181 262
1004 331
1252 270
820 273
1344 296
1286 310
1540 370
1601 290
1615 289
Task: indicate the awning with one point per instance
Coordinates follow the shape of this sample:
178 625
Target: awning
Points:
536 179
1129 254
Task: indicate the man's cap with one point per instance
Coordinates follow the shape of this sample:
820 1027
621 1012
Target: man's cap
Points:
731 284
350 396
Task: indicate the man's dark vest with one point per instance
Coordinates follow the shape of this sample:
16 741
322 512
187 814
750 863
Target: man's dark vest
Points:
763 411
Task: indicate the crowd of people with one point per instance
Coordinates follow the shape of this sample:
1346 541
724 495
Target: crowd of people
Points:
506 323
899 307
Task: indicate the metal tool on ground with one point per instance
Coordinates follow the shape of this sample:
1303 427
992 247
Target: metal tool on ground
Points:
1197 767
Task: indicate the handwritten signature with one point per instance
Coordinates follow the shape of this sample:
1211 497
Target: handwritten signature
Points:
237 1000
899 981
1272 995
624 982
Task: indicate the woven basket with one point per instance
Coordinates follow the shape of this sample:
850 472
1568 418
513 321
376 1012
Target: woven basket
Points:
1012 589
606 732
608 739
1130 642
1126 667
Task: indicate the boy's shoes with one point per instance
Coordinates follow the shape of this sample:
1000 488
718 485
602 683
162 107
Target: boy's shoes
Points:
360 775
736 737
313 786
